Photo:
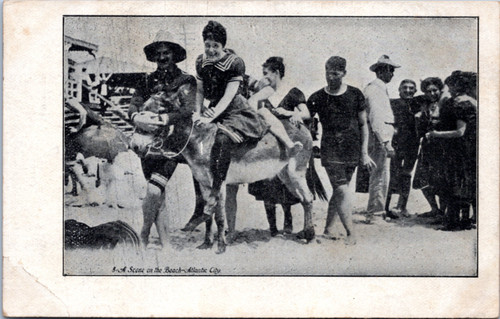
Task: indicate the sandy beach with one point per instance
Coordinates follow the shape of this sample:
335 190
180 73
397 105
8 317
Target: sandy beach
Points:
404 247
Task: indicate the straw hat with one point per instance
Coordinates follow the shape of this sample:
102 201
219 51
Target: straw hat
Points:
166 38
384 59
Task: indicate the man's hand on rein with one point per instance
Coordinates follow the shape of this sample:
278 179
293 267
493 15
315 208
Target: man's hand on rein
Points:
149 121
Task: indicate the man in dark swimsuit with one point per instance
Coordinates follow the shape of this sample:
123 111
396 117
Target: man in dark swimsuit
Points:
344 142
405 143
158 169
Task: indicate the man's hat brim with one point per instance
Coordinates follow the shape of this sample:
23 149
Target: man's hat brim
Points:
179 51
376 65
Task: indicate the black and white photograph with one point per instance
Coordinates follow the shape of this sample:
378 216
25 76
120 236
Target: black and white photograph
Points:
270 146
250 159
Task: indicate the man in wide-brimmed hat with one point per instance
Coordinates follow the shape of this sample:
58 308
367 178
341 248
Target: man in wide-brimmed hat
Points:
381 123
167 79
166 54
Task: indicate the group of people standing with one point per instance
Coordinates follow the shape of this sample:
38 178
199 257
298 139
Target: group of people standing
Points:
447 162
439 129
358 129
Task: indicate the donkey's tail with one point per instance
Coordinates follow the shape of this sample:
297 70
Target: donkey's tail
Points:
314 182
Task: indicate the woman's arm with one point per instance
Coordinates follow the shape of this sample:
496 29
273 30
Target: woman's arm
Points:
302 111
299 114
459 132
263 94
229 94
198 103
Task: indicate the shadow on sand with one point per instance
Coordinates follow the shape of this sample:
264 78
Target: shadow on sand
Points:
414 220
252 237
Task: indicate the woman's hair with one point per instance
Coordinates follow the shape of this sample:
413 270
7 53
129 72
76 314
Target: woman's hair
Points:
216 32
275 63
431 81
463 82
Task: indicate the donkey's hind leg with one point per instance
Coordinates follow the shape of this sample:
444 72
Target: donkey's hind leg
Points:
296 182
231 207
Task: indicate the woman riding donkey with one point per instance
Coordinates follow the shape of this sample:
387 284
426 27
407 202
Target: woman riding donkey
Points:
219 74
165 82
215 152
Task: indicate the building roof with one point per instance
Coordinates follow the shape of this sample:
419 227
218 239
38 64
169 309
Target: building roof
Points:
109 65
80 45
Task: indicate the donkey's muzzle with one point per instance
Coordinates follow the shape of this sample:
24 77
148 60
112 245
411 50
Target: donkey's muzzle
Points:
139 143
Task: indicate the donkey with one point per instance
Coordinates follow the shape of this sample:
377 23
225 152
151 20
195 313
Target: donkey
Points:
250 162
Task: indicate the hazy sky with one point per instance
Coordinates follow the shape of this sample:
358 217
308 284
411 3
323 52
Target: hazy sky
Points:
422 46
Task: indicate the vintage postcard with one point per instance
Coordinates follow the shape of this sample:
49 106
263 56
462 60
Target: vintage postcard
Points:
182 156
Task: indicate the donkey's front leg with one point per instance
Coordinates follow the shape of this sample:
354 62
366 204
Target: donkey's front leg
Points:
207 211
298 179
220 216
208 243
308 232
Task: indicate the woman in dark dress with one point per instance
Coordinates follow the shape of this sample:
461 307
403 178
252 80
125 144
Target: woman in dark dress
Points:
428 171
277 101
458 133
219 75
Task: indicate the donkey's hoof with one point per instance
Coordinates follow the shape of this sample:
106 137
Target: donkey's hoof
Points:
350 240
307 234
230 237
154 246
192 224
206 245
221 249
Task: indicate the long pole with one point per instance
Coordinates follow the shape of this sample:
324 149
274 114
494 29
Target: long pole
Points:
114 108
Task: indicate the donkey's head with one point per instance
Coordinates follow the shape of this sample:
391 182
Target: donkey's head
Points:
163 102
176 105
166 115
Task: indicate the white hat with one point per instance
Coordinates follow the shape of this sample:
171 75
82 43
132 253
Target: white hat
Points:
384 59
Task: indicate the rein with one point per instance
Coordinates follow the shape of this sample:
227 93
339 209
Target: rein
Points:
156 146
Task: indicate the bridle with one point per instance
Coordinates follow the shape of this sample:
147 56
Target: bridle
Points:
155 147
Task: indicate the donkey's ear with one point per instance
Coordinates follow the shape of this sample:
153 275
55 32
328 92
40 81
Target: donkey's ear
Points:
79 157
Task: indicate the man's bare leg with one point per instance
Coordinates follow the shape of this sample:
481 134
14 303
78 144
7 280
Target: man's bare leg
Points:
150 207
343 198
331 216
